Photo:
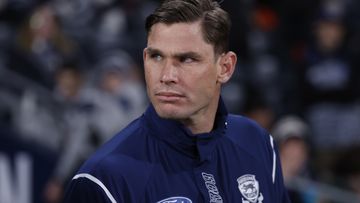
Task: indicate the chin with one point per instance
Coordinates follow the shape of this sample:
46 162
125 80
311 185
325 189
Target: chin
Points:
169 112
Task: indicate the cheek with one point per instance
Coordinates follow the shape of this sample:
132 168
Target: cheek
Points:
150 74
203 83
208 78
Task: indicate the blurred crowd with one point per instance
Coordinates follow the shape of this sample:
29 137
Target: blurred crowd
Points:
71 76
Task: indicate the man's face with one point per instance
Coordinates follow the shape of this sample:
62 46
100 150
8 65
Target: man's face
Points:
181 71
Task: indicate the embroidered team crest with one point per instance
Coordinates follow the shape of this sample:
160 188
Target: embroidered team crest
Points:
249 188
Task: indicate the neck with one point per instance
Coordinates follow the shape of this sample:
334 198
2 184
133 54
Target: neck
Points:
203 121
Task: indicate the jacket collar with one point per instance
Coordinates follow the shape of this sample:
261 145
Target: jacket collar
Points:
180 138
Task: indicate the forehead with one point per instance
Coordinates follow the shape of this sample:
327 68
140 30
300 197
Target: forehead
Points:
178 37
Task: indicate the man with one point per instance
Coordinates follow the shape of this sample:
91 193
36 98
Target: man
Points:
185 148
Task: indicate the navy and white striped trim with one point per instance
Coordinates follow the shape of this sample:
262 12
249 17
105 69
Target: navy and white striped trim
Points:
274 159
98 182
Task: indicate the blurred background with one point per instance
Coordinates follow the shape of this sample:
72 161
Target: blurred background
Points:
71 76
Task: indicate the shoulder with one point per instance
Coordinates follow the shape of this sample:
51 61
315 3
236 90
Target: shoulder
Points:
120 156
259 144
112 149
251 137
242 129
112 169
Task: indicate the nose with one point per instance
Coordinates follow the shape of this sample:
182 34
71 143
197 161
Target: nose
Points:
169 73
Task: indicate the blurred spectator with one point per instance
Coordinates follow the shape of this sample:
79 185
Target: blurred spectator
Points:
101 25
329 84
96 25
118 95
69 81
99 111
43 116
70 95
266 71
291 134
40 46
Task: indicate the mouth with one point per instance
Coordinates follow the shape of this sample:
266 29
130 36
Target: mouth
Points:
168 96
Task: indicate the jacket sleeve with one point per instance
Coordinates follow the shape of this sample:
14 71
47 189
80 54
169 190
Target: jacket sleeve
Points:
84 190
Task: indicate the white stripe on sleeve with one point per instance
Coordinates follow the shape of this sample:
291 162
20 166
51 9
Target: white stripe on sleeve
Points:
274 159
98 182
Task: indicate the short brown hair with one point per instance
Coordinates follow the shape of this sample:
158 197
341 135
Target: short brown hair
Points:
214 20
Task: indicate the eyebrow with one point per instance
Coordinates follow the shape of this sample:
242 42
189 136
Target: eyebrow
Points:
153 50
191 54
188 54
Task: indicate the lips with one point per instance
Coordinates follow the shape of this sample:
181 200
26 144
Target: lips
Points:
166 96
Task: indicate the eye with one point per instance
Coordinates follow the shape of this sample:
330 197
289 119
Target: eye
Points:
156 57
187 59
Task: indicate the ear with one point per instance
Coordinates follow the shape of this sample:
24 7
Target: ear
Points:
226 66
144 54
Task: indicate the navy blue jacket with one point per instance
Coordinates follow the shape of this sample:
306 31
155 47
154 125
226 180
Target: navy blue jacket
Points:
159 160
